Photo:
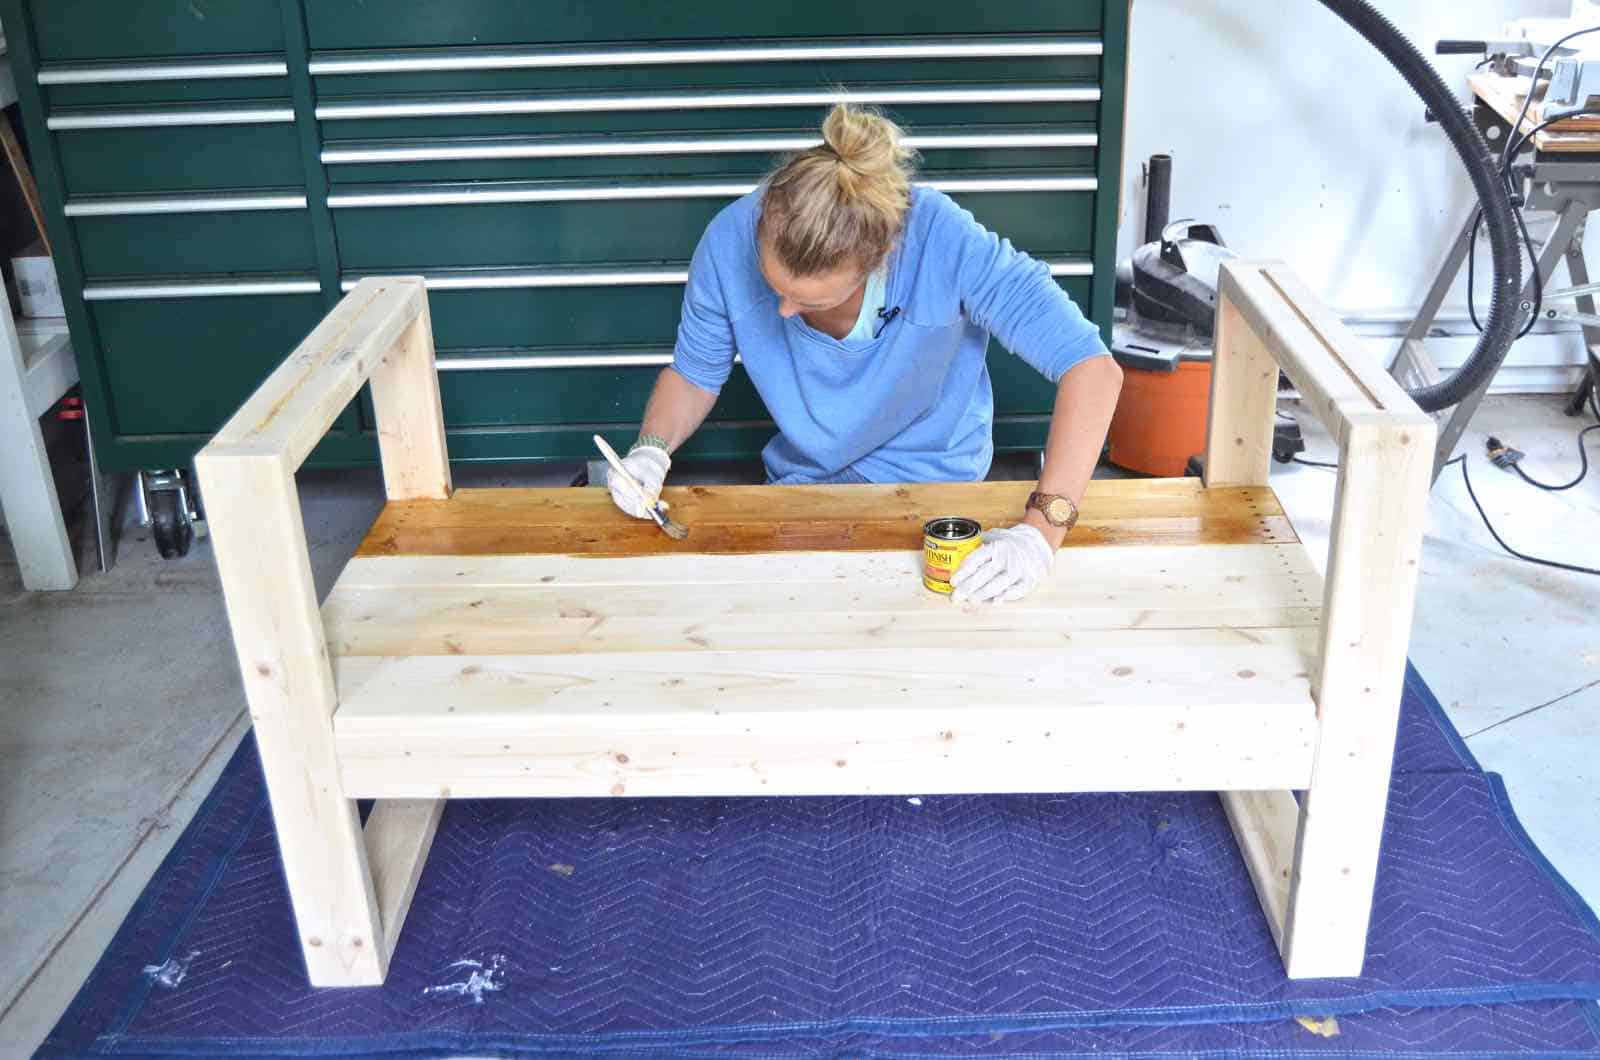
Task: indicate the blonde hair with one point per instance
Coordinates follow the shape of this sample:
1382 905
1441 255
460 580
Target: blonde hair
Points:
841 202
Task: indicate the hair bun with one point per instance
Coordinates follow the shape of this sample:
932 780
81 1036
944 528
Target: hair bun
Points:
864 140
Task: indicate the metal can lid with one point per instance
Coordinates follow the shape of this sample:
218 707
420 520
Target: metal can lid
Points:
951 528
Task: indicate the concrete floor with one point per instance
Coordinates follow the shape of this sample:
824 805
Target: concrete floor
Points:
119 702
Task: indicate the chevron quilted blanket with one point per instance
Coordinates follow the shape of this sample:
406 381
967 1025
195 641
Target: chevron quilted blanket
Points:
1106 926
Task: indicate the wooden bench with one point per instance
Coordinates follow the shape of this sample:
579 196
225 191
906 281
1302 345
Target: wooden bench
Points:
538 643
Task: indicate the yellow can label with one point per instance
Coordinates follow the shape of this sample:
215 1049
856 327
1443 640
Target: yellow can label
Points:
941 558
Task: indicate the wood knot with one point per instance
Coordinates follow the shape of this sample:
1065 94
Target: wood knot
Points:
263 669
618 789
1247 674
622 759
841 763
313 942
1122 671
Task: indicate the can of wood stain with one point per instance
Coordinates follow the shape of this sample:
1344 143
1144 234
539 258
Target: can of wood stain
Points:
946 541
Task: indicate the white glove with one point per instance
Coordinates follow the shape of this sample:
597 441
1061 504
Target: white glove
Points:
648 466
1008 566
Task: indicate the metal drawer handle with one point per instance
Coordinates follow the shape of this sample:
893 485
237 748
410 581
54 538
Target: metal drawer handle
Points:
168 117
107 207
113 73
596 360
504 279
440 108
457 59
475 150
123 292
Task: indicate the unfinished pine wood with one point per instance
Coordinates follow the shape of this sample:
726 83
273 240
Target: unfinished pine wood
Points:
1157 710
1380 508
1244 393
1380 511
538 643
726 520
290 412
410 418
259 540
398 835
438 605
247 472
1265 824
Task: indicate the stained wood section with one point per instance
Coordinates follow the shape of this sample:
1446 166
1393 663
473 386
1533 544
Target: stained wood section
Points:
730 520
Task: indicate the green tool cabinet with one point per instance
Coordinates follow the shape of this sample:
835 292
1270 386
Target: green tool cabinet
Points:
215 172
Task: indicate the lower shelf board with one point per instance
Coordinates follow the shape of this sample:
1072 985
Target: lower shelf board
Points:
832 723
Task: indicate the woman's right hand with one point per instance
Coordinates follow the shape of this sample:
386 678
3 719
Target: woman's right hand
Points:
649 466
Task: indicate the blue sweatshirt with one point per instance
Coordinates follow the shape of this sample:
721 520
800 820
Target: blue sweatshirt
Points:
914 404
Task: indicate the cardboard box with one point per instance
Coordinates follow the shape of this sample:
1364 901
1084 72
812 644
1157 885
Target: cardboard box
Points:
37 286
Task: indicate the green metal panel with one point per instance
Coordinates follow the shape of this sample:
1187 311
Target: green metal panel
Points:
656 122
713 77
138 29
182 158
431 237
161 374
169 244
182 366
750 165
420 23
150 93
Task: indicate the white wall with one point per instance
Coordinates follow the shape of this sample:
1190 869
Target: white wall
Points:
1300 142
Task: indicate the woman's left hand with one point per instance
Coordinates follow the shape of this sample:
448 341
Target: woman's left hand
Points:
1008 566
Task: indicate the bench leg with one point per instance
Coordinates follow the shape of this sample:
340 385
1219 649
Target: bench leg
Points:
259 538
1315 863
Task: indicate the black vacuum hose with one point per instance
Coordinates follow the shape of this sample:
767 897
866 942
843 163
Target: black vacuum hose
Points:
1499 215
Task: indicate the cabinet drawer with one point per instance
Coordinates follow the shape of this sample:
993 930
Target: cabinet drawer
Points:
120 29
420 23
187 243
639 231
183 366
747 154
694 121
179 158
550 396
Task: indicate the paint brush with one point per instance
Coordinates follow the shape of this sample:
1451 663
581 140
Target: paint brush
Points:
658 511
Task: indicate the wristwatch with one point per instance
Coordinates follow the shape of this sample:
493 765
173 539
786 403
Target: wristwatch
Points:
1057 510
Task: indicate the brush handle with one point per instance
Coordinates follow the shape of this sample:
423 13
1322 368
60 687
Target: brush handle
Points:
616 465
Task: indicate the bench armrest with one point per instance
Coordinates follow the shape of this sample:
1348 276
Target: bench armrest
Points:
1267 319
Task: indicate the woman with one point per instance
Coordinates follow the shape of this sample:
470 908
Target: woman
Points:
861 307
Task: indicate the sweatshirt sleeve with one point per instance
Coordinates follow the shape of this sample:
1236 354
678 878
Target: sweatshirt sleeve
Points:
705 349
1014 298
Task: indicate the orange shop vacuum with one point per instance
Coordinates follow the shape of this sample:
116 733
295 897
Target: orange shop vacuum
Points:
1164 341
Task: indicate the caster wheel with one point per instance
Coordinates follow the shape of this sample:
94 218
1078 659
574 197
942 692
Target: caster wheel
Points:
170 524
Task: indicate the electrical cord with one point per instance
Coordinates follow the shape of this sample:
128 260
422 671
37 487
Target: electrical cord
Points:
1557 564
1494 444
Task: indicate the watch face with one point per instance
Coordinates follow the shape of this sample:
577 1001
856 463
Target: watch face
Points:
1058 511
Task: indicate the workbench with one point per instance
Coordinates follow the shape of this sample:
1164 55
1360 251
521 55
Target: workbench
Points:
539 643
